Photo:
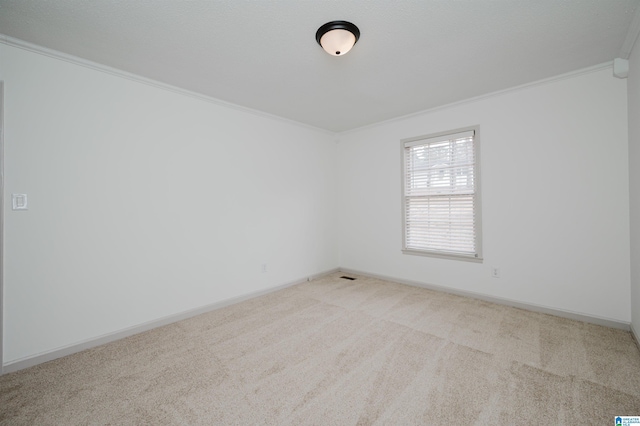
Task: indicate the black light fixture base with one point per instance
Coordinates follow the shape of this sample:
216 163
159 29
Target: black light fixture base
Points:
337 25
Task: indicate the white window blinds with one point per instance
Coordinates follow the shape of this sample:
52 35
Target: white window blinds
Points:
440 195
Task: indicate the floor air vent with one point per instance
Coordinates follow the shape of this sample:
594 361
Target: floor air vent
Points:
347 278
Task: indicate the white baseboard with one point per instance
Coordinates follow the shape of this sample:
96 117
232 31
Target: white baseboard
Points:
513 303
120 334
130 331
635 336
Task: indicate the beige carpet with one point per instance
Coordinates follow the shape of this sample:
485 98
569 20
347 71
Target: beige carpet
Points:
339 352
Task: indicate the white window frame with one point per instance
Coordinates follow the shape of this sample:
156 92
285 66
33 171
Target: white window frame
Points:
404 143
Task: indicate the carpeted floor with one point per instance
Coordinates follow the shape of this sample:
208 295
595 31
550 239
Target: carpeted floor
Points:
339 352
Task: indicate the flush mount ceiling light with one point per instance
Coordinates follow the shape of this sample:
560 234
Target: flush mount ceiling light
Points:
337 37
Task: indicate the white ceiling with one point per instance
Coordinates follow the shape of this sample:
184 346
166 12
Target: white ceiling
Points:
412 55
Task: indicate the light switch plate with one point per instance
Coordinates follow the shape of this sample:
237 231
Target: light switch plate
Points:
19 201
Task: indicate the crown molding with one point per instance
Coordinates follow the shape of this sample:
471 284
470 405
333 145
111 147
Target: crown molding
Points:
571 74
24 45
21 44
632 35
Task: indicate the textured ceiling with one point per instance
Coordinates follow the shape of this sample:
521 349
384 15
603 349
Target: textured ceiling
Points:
412 55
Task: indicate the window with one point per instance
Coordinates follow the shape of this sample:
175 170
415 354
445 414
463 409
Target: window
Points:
441 195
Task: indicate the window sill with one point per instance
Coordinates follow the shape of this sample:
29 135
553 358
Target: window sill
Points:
443 255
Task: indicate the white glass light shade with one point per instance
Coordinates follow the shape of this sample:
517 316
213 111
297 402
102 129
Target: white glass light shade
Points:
338 42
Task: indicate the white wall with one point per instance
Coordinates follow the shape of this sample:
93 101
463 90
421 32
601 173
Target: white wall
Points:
145 203
633 96
555 197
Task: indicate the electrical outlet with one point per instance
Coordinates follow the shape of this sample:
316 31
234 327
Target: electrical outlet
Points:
495 272
264 267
